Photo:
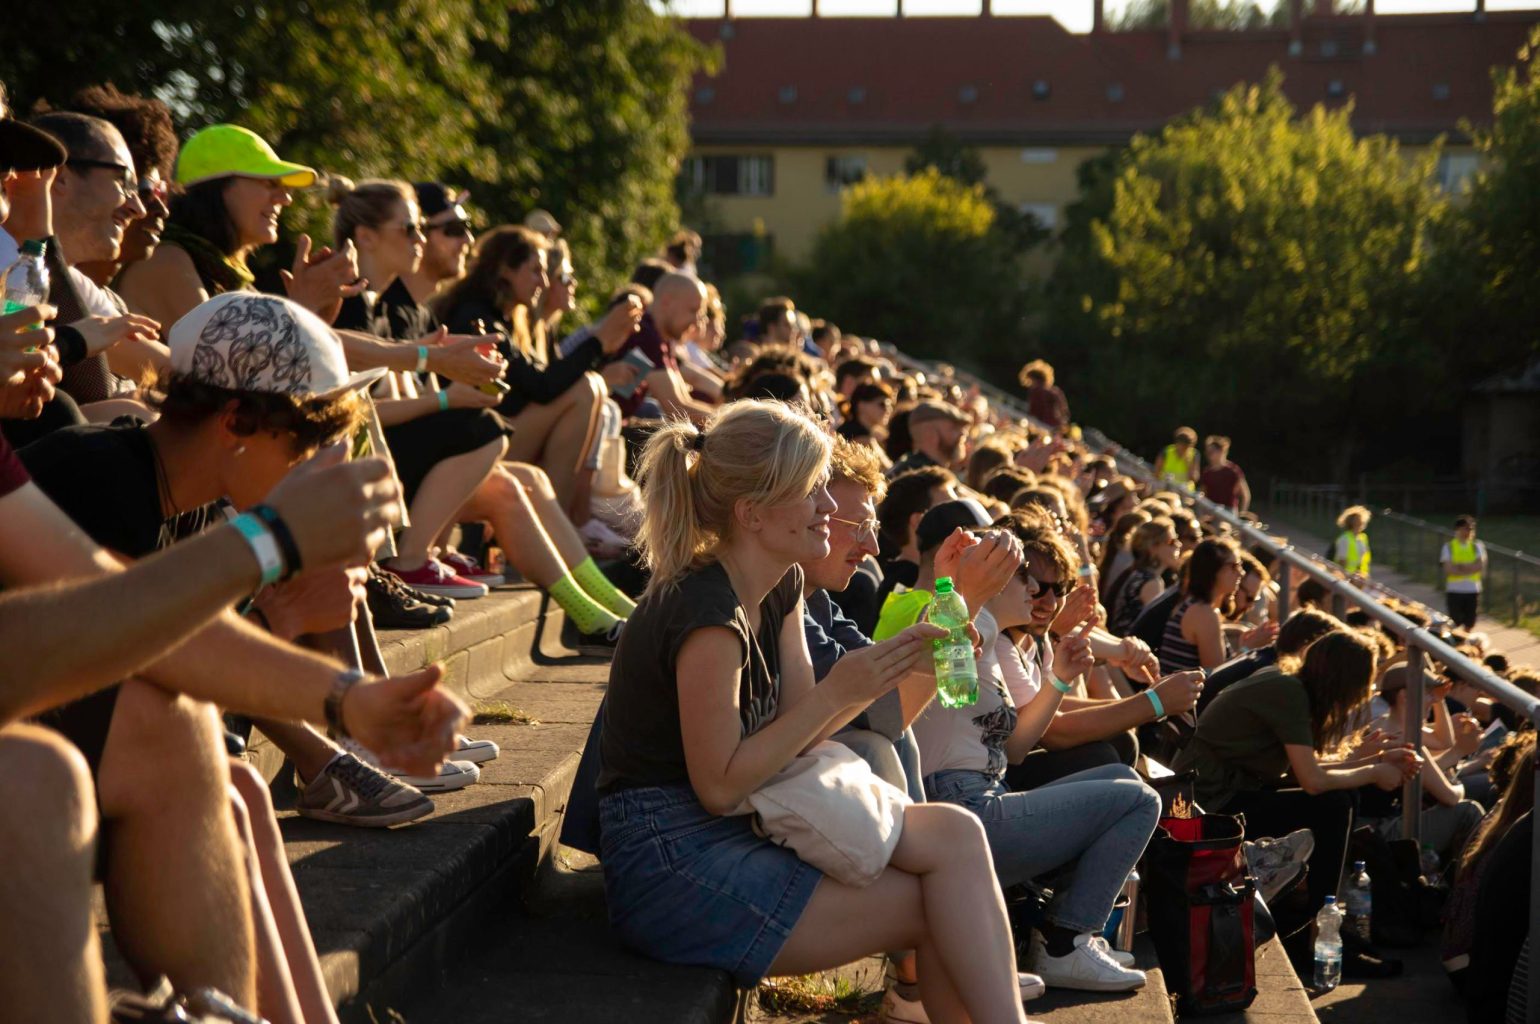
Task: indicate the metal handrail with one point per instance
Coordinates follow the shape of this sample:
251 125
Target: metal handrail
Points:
1420 643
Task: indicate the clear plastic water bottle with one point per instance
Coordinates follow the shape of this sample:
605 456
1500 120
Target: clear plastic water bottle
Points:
1328 946
1360 900
957 674
26 282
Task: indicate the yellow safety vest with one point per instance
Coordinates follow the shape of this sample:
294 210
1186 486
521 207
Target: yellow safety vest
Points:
1463 551
1173 465
1356 557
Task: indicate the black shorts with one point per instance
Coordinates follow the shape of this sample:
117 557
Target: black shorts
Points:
85 723
418 445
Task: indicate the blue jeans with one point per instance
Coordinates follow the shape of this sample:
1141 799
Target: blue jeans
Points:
1097 820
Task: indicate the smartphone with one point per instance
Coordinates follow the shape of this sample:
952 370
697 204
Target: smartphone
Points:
638 359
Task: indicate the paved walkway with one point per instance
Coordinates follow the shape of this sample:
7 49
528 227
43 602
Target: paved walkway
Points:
1520 645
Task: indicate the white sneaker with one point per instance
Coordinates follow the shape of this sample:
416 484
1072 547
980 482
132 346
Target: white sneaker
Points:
1086 967
452 775
1120 957
898 1010
476 751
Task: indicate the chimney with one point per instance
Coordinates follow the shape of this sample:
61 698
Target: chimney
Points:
1098 16
727 10
1176 27
1323 8
1481 10
814 13
1369 44
985 10
1296 27
900 12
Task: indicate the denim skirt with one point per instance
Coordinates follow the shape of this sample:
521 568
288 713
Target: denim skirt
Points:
690 887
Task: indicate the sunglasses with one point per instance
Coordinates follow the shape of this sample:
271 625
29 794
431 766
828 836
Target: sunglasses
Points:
1037 588
125 179
154 188
412 227
450 228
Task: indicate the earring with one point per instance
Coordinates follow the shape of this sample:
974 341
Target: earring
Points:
240 450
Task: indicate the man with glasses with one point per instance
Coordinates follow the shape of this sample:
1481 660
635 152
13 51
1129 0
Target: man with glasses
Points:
95 197
447 228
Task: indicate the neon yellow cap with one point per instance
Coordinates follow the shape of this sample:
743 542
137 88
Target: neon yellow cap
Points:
221 150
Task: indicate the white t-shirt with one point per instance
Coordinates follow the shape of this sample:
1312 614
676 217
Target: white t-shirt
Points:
1462 586
973 738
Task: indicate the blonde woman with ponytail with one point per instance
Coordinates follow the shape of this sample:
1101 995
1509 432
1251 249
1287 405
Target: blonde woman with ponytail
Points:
711 693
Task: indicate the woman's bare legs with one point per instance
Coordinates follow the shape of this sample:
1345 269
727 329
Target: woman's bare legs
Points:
276 999
505 503
939 896
283 898
553 518
556 435
439 497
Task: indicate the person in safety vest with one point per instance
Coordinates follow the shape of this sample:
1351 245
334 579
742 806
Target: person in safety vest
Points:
1178 460
1351 551
1464 561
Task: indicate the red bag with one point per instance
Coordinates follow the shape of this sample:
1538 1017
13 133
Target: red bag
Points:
1199 897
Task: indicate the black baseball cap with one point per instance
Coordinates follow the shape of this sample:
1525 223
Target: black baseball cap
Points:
25 148
434 197
937 524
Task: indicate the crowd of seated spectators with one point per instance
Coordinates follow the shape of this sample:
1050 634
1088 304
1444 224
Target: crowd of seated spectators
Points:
206 487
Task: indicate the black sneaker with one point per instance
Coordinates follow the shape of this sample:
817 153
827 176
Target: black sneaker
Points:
392 607
593 645
407 591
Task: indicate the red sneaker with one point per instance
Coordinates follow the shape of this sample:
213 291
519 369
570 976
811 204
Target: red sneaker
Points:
434 577
468 568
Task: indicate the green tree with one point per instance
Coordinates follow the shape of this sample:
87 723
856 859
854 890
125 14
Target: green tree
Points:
957 160
1253 272
1233 15
920 260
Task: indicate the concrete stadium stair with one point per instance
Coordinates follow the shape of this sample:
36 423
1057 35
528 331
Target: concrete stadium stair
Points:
467 915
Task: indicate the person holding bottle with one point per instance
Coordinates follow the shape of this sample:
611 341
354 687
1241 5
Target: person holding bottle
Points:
1101 818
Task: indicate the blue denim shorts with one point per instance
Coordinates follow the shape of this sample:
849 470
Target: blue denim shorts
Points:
687 886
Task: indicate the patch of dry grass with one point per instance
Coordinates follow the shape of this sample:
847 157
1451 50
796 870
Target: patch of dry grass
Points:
501 712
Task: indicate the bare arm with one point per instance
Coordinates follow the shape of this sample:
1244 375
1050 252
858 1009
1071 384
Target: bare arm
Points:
173 594
1315 777
1201 627
163 287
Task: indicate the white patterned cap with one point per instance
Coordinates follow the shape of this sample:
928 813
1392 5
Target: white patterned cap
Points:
248 341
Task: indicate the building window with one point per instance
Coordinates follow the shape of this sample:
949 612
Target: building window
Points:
1441 91
1115 92
1041 90
1038 155
1335 89
1455 169
746 175
1046 214
839 171
730 254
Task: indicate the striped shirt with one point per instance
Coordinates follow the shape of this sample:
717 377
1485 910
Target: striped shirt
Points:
1176 653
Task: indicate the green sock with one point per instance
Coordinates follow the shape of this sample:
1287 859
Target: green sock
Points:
592 579
586 614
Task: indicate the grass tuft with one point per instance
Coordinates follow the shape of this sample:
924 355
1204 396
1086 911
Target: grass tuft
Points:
500 712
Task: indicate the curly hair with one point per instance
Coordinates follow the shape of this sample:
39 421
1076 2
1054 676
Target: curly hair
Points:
310 423
144 122
1040 537
859 464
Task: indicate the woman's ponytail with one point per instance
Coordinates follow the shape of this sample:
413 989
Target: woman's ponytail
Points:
671 535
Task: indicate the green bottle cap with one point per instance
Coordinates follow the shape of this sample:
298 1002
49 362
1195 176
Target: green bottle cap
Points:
943 584
33 247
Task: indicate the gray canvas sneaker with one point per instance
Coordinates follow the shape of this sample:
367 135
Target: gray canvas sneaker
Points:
349 792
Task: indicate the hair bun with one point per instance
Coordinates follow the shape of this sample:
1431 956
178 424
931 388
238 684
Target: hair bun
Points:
338 188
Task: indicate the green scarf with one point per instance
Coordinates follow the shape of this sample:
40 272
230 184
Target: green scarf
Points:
218 272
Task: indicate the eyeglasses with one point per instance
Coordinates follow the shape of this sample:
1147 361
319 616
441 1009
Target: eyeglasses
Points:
126 180
413 227
451 228
1037 589
865 526
154 188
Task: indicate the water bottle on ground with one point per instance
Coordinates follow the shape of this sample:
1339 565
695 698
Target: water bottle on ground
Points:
1328 946
26 282
1360 900
957 674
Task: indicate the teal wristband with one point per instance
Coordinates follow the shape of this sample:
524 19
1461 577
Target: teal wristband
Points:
1059 684
1160 709
443 401
263 545
422 359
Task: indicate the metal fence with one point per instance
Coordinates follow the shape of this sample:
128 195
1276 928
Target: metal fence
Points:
1421 644
1510 589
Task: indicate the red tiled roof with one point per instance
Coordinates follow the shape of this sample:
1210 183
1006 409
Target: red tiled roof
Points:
863 80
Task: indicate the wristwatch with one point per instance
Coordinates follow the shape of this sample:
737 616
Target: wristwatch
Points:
344 682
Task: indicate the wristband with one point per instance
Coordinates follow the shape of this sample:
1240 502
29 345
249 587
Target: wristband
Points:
280 530
1084 572
1059 684
262 544
422 359
1160 709
344 682
443 401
